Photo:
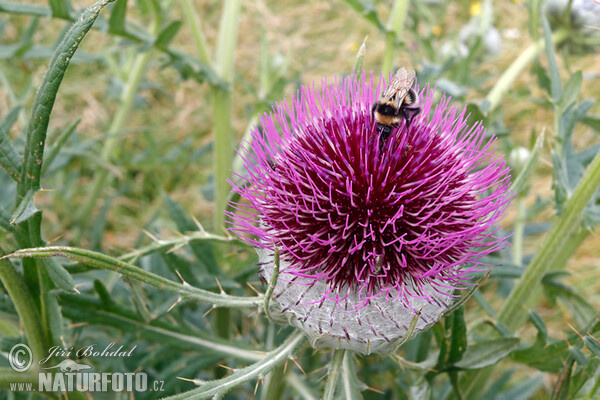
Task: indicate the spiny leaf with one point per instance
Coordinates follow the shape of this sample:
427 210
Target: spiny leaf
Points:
44 100
116 23
61 8
9 159
59 275
25 209
520 180
555 84
166 36
486 353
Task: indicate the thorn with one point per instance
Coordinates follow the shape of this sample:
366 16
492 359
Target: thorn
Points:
575 330
318 370
175 248
208 312
226 367
256 319
252 313
55 239
77 325
76 291
62 340
323 377
594 339
253 288
285 366
180 277
260 352
174 304
219 284
151 236
194 381
256 386
298 365
375 390
198 224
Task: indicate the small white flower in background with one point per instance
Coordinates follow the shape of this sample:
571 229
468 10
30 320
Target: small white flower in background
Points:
518 158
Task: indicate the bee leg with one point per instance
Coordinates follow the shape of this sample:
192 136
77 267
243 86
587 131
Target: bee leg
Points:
409 114
384 132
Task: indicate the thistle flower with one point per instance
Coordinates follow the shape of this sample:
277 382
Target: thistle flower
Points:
371 237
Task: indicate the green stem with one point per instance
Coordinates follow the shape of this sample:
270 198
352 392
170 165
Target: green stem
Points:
553 245
350 384
394 26
300 386
272 284
28 312
128 94
517 242
102 261
495 95
222 108
553 254
8 376
193 20
334 372
216 389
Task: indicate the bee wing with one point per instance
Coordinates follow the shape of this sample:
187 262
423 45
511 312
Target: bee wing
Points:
402 81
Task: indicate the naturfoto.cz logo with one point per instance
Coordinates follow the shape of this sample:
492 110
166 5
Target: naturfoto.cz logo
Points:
70 376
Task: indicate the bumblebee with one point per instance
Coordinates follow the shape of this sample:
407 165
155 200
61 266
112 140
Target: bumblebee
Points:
397 102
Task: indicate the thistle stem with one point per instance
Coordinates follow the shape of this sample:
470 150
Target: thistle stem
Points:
517 243
335 370
28 313
553 245
495 95
552 254
394 26
193 20
128 94
222 108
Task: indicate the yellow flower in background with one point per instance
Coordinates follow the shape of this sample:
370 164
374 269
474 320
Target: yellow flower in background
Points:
475 8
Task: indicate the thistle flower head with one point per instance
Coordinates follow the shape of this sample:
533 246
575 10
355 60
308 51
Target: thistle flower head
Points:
369 235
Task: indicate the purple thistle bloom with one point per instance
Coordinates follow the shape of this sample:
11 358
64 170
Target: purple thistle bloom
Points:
369 236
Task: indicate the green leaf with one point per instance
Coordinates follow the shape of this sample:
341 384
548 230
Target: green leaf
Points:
60 276
102 261
44 100
9 328
486 353
571 91
166 36
561 389
116 23
523 390
458 341
107 302
25 210
581 308
593 344
24 8
360 56
538 322
520 180
367 9
60 142
202 250
590 388
9 159
61 8
555 83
